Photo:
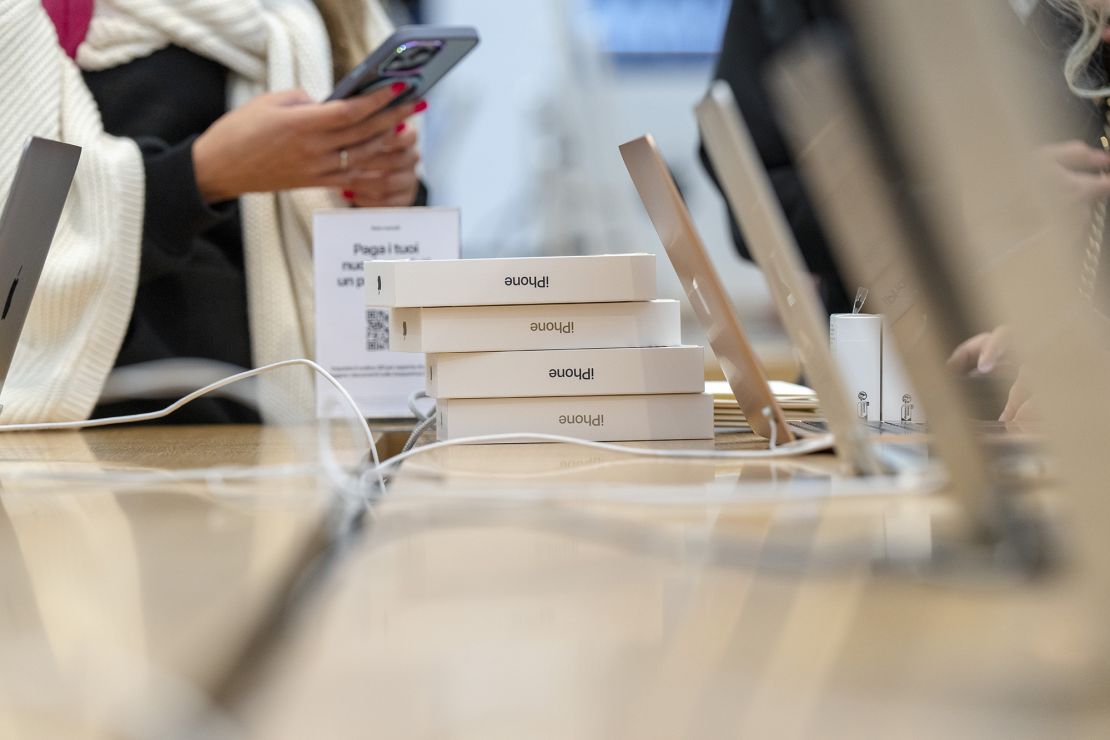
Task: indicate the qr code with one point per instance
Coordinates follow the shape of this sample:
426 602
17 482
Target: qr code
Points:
377 330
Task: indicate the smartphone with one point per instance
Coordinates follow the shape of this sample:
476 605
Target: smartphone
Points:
418 56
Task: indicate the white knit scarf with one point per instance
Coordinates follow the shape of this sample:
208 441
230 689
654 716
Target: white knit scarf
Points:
83 304
268 45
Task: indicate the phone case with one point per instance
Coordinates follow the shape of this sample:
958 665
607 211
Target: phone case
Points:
418 56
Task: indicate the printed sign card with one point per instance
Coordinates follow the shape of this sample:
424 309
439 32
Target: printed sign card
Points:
352 341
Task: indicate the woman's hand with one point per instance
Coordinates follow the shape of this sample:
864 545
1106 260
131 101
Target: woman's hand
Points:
982 352
1019 404
283 141
387 168
1080 170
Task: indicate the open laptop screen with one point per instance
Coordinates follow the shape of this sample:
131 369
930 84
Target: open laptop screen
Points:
30 217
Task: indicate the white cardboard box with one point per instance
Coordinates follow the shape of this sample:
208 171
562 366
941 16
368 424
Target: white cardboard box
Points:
566 372
538 326
855 340
598 418
900 403
512 280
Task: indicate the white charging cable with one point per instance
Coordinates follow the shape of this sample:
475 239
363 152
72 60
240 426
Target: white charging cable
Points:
206 390
169 378
806 446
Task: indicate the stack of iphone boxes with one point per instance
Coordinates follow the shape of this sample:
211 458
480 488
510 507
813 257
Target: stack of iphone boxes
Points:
576 346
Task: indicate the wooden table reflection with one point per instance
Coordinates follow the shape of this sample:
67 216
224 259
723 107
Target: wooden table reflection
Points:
535 591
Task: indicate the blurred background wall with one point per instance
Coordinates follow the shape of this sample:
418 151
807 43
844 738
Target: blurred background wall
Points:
523 136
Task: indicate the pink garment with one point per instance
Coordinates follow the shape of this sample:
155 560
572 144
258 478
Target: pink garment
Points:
71 19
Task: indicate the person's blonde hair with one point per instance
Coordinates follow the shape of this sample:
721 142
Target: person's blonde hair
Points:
348 23
1084 79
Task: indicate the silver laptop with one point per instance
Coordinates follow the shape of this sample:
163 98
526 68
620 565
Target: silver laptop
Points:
30 217
757 210
703 287
887 244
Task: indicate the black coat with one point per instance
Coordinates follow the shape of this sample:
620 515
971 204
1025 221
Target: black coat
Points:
191 299
756 31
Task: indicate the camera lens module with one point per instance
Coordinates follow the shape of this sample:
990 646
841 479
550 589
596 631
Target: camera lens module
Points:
411 55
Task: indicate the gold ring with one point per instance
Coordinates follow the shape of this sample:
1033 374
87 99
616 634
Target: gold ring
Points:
344 159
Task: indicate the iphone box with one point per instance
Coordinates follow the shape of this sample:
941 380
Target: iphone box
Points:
496 281
567 372
535 327
856 343
597 418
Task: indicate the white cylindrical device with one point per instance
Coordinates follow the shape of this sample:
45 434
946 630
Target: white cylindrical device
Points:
856 343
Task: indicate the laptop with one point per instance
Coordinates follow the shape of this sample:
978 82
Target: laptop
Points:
757 210
29 219
845 152
703 287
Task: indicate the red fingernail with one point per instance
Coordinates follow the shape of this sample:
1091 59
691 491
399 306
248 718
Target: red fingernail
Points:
398 87
399 129
420 107
349 194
